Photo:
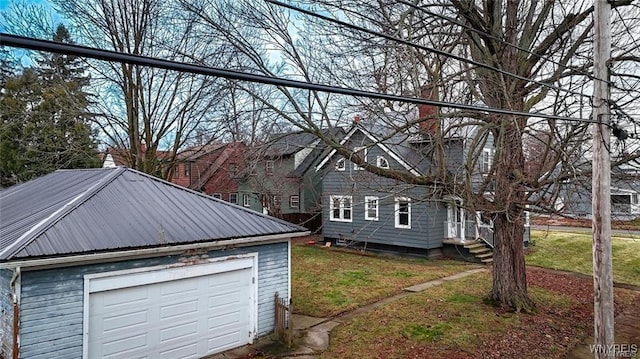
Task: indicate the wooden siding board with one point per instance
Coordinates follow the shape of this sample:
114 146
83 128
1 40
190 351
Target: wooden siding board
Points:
427 216
6 314
46 301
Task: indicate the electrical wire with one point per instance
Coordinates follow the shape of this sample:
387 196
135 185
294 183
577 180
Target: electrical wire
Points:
113 56
421 47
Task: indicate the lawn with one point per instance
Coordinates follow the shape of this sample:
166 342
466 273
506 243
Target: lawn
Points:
328 281
572 252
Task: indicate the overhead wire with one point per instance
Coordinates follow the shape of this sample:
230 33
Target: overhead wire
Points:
113 56
421 47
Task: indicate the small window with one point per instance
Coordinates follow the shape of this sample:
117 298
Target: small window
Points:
403 212
233 198
176 171
187 169
268 168
340 208
371 208
486 161
232 169
246 201
294 201
362 153
217 195
340 166
382 162
277 200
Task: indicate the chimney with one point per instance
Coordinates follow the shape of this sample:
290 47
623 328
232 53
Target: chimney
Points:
427 114
143 148
356 119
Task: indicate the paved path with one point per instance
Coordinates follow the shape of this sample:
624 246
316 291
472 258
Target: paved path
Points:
313 333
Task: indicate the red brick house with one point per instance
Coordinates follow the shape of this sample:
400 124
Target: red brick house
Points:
210 169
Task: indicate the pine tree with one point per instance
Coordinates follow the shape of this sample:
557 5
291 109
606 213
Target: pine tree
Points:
45 121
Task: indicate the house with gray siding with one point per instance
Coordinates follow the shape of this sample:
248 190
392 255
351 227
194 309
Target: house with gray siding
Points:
364 209
114 263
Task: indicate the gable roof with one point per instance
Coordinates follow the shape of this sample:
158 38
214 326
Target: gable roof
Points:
97 210
394 147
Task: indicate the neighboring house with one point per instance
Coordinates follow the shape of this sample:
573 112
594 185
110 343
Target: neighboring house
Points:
574 197
116 263
365 209
211 169
280 179
117 156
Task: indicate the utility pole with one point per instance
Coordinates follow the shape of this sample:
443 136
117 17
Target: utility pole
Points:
601 186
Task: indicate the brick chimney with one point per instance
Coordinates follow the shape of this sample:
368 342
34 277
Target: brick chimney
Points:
430 123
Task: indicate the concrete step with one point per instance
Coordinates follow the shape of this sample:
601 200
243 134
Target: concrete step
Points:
484 255
474 245
480 250
487 260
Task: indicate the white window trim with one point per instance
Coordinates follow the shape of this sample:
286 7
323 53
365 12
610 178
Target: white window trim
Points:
236 195
340 165
379 161
341 208
269 167
297 197
246 200
364 157
397 212
367 201
486 160
217 195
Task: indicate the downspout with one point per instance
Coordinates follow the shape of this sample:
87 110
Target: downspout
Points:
14 284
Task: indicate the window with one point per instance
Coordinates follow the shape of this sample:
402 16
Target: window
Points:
217 195
371 208
294 201
176 171
486 160
277 200
340 208
187 169
403 212
340 165
246 201
268 168
382 162
232 169
362 153
233 198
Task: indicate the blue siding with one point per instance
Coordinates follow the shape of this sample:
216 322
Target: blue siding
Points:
52 300
6 314
427 216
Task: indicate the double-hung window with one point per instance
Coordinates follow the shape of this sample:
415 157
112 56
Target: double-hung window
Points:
403 212
486 161
340 208
371 208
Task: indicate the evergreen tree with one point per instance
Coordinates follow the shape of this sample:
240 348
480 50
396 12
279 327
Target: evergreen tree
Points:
45 121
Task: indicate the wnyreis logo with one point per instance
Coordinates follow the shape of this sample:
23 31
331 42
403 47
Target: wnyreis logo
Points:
615 350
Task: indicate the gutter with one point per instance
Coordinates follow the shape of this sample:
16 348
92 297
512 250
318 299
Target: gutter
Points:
15 285
66 261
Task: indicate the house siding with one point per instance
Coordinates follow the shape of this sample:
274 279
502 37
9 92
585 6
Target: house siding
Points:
6 314
427 216
52 300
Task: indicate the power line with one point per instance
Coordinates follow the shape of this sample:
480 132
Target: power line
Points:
113 56
422 47
485 34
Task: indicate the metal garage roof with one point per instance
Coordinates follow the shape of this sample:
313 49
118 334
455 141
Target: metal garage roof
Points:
96 210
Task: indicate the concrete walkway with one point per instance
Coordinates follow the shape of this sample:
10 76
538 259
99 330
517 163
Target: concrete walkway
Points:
312 334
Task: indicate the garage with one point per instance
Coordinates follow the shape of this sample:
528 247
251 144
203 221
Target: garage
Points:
181 312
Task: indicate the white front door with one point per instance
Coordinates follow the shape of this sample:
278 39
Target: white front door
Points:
453 218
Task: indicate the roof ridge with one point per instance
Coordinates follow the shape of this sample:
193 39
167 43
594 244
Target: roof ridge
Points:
60 213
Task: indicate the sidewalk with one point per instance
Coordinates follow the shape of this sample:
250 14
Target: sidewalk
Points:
312 334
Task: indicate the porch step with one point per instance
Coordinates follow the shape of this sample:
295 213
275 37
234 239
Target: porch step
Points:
481 251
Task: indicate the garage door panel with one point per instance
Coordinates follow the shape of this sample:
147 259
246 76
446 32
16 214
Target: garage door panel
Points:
186 318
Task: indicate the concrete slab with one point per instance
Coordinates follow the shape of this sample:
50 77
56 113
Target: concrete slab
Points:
302 322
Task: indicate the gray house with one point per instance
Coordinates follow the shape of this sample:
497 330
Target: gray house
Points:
368 210
113 263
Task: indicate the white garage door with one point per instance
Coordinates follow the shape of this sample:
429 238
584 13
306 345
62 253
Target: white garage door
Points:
186 312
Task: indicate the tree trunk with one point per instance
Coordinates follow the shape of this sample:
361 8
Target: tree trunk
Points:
509 270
